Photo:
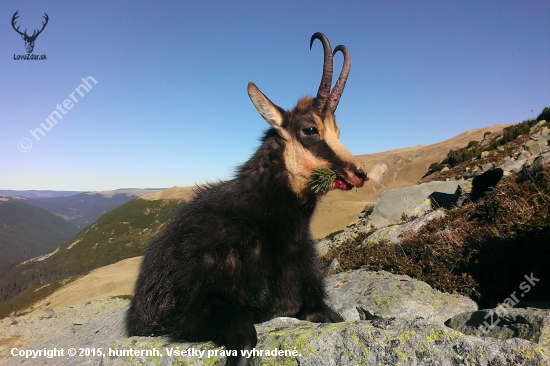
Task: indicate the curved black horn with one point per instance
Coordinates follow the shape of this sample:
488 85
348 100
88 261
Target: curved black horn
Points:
326 80
336 93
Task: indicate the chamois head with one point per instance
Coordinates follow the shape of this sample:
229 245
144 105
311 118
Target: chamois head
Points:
310 131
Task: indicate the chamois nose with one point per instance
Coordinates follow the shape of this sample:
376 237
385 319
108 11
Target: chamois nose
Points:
361 174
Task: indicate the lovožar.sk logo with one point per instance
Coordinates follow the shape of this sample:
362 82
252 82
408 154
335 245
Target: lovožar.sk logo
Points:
29 40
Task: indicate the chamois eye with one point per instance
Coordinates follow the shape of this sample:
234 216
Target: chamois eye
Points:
310 131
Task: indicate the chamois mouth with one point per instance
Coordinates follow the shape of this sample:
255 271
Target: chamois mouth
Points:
341 183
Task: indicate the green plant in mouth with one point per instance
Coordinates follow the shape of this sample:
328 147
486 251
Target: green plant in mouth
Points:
321 179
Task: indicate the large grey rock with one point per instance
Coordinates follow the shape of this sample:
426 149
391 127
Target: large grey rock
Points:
94 324
395 233
505 323
323 246
542 135
536 147
513 166
406 339
386 294
539 162
383 341
413 201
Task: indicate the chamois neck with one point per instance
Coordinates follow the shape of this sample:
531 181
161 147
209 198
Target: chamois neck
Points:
265 179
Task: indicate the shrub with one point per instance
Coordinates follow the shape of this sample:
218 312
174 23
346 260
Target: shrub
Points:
473 144
544 115
436 167
457 156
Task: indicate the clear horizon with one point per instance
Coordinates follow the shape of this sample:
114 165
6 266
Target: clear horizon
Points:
154 94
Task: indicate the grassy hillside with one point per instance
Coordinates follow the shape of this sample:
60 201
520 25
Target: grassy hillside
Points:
27 231
122 233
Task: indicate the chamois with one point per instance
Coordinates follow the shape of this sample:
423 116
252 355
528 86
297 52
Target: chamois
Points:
241 252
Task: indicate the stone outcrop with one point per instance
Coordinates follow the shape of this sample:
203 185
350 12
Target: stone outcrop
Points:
389 319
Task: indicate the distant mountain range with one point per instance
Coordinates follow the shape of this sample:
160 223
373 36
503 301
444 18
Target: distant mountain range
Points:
79 208
37 194
27 231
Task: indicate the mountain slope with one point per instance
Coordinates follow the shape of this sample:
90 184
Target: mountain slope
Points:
119 234
27 231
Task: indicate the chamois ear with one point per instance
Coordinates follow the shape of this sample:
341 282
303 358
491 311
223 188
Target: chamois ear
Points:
269 111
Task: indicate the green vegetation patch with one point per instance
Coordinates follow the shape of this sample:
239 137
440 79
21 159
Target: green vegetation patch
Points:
321 179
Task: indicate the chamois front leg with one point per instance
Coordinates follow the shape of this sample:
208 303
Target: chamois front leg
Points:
326 315
315 309
240 336
219 321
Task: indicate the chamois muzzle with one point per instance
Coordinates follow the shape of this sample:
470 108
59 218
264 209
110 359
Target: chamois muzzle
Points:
354 177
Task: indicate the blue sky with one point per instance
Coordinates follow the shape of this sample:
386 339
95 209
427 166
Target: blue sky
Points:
170 105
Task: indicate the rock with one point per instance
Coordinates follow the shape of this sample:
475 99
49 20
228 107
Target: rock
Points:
386 294
413 201
394 233
334 265
487 166
485 154
101 323
542 135
537 126
536 147
46 314
378 171
383 341
505 323
407 329
325 245
539 162
513 166
369 208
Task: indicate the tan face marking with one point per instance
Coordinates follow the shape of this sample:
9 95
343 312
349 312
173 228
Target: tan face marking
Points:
300 161
331 138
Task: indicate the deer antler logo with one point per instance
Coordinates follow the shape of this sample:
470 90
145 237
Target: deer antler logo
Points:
29 40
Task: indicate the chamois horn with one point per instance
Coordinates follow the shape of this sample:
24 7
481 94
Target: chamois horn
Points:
326 81
336 93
